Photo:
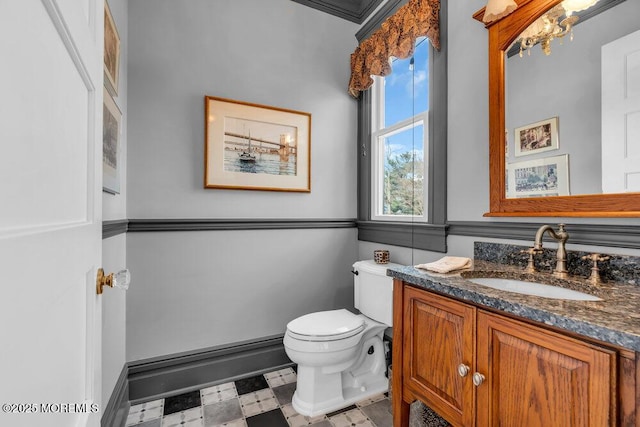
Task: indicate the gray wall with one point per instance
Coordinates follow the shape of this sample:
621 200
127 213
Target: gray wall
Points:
201 289
114 207
468 130
567 85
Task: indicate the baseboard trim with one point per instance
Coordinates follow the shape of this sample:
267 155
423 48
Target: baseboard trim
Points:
117 409
158 377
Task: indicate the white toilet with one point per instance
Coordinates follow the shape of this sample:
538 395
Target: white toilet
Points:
340 355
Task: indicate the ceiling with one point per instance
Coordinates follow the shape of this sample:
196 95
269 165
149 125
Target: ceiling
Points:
352 10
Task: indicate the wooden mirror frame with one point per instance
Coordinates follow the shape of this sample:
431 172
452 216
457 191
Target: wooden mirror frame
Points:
501 34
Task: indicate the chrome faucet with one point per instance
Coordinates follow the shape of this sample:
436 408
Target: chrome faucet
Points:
561 236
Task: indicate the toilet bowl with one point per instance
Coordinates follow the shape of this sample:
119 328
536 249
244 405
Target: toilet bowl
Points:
340 355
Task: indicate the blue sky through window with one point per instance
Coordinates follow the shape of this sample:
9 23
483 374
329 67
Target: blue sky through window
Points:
406 93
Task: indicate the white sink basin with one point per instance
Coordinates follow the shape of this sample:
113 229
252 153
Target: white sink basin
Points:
531 288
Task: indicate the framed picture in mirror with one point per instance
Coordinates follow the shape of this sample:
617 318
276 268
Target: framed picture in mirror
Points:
536 137
544 177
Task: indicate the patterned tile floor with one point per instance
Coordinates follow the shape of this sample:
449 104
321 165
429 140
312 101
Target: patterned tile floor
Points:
261 401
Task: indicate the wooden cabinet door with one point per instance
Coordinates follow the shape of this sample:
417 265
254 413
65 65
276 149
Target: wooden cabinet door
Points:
534 377
438 337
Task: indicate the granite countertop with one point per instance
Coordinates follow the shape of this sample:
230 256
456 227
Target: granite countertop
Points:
614 320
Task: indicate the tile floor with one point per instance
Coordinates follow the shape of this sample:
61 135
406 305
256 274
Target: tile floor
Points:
263 401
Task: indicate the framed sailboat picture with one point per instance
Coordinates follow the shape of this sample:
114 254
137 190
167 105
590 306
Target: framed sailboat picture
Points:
256 147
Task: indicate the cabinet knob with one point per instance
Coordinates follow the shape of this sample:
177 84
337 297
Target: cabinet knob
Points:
478 379
463 370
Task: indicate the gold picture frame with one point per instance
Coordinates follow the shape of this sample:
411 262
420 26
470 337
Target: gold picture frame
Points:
111 117
111 52
256 147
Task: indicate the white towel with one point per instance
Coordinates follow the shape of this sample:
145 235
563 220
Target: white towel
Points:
447 264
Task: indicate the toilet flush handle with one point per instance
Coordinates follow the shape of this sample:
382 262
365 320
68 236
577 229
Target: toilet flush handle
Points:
355 272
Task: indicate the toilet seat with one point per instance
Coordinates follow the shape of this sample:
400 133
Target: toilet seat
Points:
329 325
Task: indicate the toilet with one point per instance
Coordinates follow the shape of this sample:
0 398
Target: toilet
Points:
340 355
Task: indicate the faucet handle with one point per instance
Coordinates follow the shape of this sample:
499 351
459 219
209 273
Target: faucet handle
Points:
531 251
595 279
596 257
530 266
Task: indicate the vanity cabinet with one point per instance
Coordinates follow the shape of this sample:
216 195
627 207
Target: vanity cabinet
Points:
534 374
479 368
438 338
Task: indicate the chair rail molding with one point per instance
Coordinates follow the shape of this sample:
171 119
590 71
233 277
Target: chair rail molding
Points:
141 225
610 235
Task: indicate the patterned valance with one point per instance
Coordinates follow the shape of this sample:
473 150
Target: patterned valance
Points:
396 37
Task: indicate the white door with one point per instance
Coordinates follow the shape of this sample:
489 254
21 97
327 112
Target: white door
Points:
621 115
50 211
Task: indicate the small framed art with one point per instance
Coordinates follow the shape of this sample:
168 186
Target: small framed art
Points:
256 147
111 52
536 137
539 178
111 116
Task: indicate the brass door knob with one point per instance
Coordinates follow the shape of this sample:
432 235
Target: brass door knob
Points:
121 280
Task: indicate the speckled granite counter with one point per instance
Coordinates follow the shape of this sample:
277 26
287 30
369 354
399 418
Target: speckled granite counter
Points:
614 320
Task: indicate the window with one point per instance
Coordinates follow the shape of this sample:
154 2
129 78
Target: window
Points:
402 142
398 139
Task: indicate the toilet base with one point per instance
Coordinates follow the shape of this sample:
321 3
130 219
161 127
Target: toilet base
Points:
373 384
321 390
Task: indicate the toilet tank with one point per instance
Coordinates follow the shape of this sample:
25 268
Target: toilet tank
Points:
373 290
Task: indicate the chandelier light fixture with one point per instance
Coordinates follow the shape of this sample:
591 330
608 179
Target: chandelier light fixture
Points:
555 24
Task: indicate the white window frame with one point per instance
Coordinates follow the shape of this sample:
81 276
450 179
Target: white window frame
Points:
378 132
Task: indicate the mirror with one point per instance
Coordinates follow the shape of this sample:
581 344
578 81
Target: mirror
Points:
546 114
553 102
